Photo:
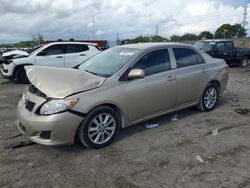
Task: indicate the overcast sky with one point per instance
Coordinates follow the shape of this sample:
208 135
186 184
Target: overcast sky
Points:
23 19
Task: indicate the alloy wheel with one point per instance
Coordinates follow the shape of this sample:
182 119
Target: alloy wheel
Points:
102 128
210 97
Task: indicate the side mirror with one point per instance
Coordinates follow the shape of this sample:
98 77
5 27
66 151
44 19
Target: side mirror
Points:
136 73
42 53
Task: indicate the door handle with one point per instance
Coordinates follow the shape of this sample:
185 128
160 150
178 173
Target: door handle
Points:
170 78
82 54
59 56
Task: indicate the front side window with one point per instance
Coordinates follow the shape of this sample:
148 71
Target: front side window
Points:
54 50
186 57
154 62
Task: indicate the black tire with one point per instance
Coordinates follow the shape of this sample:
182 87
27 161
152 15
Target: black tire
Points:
203 105
244 62
21 76
86 128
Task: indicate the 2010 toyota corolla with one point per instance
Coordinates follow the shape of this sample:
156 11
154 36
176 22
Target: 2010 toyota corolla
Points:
117 88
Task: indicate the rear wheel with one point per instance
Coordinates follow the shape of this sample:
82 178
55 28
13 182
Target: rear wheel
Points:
100 127
209 98
244 62
21 76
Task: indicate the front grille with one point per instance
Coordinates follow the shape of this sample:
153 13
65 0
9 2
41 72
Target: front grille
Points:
32 89
29 105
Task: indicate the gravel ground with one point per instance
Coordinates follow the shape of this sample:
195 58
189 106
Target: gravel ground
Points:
140 157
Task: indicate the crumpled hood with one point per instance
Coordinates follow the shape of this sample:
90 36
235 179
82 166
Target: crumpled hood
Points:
60 82
15 52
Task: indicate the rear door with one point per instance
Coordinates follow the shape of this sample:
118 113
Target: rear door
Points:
191 77
154 93
51 56
75 54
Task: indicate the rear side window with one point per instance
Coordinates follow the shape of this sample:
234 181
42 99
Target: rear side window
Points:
186 57
54 50
229 46
220 47
76 48
154 62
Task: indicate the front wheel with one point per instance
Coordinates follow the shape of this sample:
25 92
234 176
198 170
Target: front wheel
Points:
21 76
100 127
244 62
209 98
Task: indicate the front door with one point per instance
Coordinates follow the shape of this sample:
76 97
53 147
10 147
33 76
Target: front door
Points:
155 92
51 56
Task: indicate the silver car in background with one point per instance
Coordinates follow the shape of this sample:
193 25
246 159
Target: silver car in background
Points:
117 88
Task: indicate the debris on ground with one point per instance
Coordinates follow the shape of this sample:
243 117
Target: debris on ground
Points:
11 137
174 118
151 125
243 111
198 158
18 144
219 156
235 105
235 99
215 132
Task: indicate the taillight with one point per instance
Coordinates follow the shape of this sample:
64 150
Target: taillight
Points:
226 67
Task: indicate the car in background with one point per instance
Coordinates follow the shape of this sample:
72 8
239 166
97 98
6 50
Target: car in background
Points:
57 54
117 88
225 49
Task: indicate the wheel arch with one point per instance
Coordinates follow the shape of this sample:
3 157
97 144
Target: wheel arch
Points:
18 67
111 105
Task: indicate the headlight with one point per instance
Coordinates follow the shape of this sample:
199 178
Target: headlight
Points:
8 62
56 106
23 99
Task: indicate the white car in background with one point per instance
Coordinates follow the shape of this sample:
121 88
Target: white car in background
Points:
56 54
14 53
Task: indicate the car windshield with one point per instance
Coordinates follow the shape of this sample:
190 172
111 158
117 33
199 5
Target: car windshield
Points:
203 45
33 50
108 62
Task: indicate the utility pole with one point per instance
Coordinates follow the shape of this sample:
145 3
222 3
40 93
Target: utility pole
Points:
244 23
157 30
117 38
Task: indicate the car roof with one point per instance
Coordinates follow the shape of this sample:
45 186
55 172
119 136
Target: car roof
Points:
64 42
217 40
154 44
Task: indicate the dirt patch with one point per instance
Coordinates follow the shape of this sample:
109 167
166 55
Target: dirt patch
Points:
158 157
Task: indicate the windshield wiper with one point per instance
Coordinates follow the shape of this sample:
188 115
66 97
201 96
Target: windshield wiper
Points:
97 74
91 72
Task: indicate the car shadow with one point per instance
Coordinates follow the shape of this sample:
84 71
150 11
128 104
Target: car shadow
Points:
139 128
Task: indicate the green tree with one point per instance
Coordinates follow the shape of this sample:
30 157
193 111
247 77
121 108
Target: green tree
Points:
205 35
139 39
189 36
158 38
26 44
175 38
230 31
